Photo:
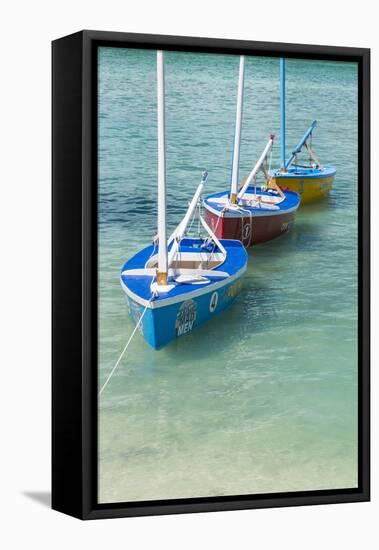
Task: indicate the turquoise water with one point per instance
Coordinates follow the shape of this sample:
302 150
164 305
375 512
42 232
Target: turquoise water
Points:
263 398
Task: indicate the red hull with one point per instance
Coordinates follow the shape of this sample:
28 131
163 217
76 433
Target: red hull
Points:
250 231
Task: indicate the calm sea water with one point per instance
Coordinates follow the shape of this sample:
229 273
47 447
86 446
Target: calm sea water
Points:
263 398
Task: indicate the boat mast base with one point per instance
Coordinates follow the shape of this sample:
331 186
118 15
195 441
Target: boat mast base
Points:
161 289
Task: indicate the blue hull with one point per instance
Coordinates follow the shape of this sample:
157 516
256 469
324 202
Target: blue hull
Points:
185 306
163 324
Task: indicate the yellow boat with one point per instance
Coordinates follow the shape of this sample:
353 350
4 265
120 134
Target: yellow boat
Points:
313 181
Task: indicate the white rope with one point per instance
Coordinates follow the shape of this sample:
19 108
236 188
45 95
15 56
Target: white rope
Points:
177 252
270 161
125 348
188 231
209 239
155 242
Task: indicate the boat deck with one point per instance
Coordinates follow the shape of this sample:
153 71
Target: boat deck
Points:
217 202
303 171
139 286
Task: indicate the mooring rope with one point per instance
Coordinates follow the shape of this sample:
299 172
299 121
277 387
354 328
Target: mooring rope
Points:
126 347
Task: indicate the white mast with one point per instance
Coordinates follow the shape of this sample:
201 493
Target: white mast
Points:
179 232
257 167
237 132
162 238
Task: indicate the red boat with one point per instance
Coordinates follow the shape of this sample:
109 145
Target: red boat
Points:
252 225
258 213
253 214
259 218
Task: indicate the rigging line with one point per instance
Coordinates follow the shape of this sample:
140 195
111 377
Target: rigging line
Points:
188 231
270 161
209 239
152 252
125 348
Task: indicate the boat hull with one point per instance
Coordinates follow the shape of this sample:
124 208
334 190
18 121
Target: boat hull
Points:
162 325
250 230
311 186
310 190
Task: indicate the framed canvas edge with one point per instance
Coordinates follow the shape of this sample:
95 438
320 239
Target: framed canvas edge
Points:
87 507
67 365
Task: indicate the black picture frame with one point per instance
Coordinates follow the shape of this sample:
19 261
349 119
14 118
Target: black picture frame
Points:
74 272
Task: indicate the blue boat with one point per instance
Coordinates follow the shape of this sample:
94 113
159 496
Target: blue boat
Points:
204 280
312 181
177 284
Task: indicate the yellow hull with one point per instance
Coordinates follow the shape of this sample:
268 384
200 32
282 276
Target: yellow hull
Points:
309 189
